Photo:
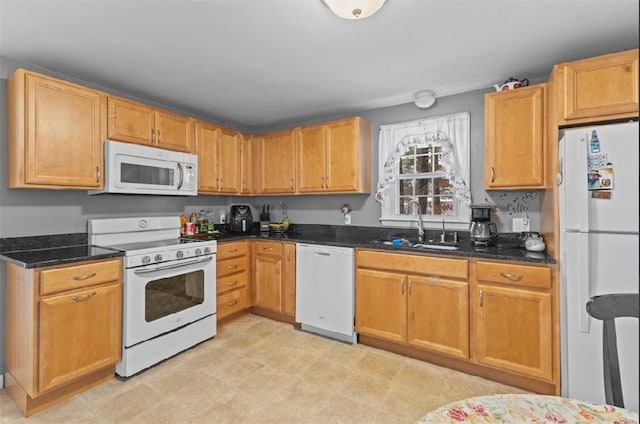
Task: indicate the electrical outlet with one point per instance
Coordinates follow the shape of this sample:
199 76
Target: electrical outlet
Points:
517 225
520 225
526 223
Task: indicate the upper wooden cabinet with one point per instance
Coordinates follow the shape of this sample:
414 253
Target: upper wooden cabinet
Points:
137 123
55 131
275 162
334 157
246 164
599 88
514 138
218 152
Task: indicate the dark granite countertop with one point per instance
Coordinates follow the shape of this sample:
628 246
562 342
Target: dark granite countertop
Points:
59 249
40 251
508 247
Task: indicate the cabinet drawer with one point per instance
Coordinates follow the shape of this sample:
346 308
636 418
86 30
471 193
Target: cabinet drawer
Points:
230 282
414 264
269 248
55 280
521 275
233 301
230 250
231 266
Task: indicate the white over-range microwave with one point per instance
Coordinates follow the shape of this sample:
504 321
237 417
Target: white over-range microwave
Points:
135 169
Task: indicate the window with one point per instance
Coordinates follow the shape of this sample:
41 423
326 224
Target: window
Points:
425 162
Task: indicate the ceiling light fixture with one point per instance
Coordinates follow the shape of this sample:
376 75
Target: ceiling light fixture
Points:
425 99
354 9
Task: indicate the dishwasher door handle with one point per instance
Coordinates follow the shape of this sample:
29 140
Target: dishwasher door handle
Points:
323 253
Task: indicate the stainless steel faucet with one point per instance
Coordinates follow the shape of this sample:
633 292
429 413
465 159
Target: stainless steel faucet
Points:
420 224
443 235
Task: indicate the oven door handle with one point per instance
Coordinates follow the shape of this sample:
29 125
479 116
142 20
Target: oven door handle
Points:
172 266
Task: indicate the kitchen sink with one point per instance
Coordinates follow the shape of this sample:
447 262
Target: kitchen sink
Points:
428 244
436 246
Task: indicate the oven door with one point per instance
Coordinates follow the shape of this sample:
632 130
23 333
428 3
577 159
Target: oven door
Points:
163 297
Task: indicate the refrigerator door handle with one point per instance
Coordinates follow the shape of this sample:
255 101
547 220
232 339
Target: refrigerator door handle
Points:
583 190
584 280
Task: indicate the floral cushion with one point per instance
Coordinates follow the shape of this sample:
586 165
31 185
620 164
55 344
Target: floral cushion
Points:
528 409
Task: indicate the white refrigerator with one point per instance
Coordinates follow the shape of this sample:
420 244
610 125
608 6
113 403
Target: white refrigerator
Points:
599 253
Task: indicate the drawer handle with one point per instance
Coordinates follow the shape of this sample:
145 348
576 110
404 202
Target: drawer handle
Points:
83 277
232 266
267 248
81 298
481 298
434 279
233 250
493 174
512 277
234 303
232 283
402 285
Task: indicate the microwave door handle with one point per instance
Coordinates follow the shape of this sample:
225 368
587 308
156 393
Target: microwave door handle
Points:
181 176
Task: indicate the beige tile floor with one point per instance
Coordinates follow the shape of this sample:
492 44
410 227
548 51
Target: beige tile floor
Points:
261 371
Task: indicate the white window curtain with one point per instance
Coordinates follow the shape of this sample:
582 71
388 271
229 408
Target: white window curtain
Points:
451 133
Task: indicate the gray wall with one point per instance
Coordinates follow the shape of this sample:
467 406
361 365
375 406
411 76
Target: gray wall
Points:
25 212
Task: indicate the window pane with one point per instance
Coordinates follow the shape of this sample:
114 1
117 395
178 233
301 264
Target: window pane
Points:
406 166
423 150
405 208
442 186
437 165
406 187
423 164
443 205
437 149
424 186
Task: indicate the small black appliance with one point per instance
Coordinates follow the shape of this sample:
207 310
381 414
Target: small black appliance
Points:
482 232
240 219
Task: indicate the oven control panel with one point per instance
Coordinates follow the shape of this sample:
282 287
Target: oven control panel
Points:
170 253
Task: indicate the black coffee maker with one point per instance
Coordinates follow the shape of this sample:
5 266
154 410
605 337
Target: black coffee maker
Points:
482 232
240 219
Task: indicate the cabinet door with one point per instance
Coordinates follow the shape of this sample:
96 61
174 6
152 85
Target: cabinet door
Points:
342 156
63 134
131 122
229 161
439 315
289 283
207 150
311 159
601 86
267 288
79 332
513 330
246 165
277 162
174 132
514 138
381 304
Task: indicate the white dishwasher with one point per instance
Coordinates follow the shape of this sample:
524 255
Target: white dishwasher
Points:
325 290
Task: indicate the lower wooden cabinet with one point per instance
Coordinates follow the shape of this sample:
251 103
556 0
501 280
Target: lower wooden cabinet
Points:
513 318
233 270
495 319
411 299
274 277
63 330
